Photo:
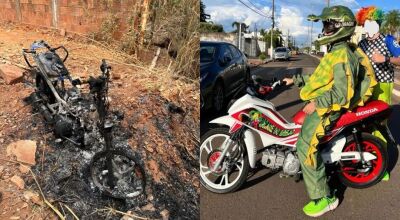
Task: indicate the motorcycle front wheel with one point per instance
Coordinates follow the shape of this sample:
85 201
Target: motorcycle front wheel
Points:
234 168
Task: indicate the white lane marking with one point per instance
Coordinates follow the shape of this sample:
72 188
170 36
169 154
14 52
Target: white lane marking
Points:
319 58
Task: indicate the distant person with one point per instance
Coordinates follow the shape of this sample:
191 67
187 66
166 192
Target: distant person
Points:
383 51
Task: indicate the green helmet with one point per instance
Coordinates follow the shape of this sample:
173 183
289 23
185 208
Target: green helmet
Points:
339 23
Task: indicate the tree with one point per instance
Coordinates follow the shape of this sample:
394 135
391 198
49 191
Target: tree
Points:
262 31
209 27
203 15
277 38
391 23
236 24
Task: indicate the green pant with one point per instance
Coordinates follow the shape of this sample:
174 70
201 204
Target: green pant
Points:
383 92
314 178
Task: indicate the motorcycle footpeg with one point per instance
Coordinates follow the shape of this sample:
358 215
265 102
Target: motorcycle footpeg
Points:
282 175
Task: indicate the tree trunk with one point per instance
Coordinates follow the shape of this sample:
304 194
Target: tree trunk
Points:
145 16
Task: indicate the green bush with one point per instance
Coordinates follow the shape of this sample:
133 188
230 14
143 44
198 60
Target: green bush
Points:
262 56
206 27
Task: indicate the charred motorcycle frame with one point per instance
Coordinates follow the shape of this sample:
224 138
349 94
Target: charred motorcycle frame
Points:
114 171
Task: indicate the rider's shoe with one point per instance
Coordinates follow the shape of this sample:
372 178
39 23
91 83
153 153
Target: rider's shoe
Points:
320 206
386 176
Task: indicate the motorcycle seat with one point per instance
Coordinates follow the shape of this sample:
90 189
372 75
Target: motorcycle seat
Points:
359 113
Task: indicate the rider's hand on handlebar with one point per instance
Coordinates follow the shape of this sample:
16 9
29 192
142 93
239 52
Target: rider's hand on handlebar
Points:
288 81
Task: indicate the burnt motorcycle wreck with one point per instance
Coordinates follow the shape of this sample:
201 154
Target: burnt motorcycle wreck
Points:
83 119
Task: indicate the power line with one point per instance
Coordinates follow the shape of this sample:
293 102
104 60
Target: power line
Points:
255 6
259 13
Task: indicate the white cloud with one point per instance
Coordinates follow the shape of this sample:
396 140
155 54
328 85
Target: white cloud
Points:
291 19
226 14
289 14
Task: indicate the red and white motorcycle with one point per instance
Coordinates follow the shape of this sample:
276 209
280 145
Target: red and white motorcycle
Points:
253 130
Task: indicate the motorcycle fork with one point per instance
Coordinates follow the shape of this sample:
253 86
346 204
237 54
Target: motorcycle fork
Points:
234 137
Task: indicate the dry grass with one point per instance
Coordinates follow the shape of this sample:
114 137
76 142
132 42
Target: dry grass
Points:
178 21
172 24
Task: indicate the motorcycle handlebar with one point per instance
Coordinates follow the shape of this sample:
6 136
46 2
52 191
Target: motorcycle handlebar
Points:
60 47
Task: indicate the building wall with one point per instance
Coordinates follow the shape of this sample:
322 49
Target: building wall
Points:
82 16
250 46
222 37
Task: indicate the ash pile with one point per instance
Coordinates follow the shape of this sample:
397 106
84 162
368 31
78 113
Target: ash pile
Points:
63 168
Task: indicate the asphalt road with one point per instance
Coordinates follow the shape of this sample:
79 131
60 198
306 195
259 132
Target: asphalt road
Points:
267 196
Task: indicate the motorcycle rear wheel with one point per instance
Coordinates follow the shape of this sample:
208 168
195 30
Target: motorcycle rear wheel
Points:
361 180
223 180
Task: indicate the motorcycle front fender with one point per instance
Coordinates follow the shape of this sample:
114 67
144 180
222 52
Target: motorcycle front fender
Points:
224 120
249 138
250 141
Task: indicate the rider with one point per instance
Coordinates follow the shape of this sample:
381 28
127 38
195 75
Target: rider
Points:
383 52
343 80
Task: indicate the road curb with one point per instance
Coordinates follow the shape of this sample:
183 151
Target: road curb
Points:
258 65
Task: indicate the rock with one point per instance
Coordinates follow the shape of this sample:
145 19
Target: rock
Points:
148 207
33 197
18 181
63 32
11 74
23 169
164 214
24 150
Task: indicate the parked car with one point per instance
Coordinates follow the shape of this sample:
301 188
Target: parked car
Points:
281 53
223 69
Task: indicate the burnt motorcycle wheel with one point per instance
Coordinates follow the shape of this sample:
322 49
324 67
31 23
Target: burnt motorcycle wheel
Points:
234 168
129 175
360 178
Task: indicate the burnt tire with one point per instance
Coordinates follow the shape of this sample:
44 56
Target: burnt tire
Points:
99 158
372 145
242 177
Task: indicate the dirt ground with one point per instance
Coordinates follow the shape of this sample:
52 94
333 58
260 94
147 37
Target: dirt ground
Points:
163 139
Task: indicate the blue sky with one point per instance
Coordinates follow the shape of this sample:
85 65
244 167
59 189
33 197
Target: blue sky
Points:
290 14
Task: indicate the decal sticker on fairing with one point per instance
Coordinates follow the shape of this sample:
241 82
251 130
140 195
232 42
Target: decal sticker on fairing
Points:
259 122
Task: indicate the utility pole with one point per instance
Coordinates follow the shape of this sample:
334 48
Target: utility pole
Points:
287 39
328 2
272 28
312 23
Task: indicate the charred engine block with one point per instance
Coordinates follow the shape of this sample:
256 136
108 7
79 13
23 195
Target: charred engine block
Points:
276 159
